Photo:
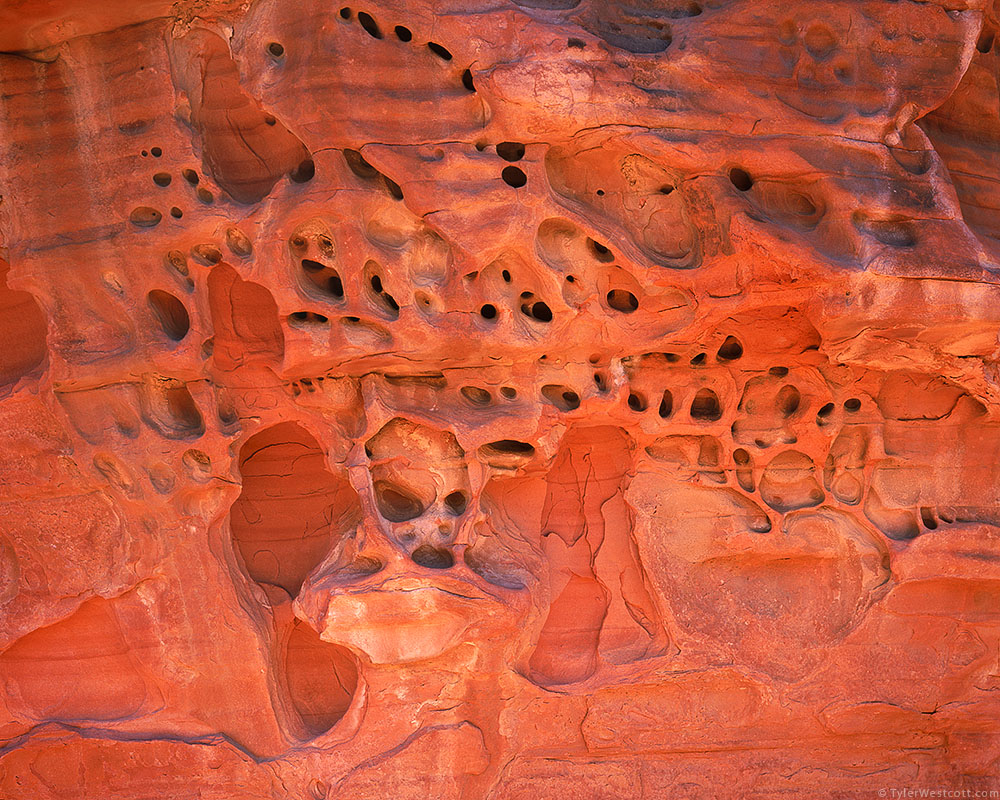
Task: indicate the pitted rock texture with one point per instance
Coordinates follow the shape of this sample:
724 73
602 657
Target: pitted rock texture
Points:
512 399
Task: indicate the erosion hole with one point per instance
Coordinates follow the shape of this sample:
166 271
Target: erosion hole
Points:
514 177
730 350
741 179
705 406
369 24
623 301
170 313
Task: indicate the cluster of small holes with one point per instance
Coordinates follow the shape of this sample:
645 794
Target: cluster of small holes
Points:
309 385
145 216
404 34
824 415
705 405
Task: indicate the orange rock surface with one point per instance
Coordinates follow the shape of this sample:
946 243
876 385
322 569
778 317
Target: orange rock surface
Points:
502 399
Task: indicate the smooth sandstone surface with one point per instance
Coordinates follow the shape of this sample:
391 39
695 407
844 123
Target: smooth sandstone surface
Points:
501 399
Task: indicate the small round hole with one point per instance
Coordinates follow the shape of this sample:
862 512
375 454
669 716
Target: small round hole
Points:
190 176
508 392
276 49
488 311
741 179
636 402
345 13
162 179
506 276
403 33
176 213
156 152
852 405
514 177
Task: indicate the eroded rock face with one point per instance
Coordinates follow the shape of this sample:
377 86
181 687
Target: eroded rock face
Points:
522 399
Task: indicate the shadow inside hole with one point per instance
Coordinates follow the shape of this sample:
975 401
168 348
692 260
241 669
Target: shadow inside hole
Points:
706 406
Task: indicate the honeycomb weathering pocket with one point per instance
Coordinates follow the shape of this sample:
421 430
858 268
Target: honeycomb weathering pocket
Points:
291 509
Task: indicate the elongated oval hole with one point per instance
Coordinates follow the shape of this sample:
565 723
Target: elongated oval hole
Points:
170 313
476 395
623 301
394 504
788 400
666 404
369 24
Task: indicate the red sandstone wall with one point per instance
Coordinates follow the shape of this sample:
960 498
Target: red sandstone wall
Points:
499 399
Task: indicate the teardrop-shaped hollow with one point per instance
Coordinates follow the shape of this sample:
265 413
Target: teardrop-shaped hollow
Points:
170 313
321 678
